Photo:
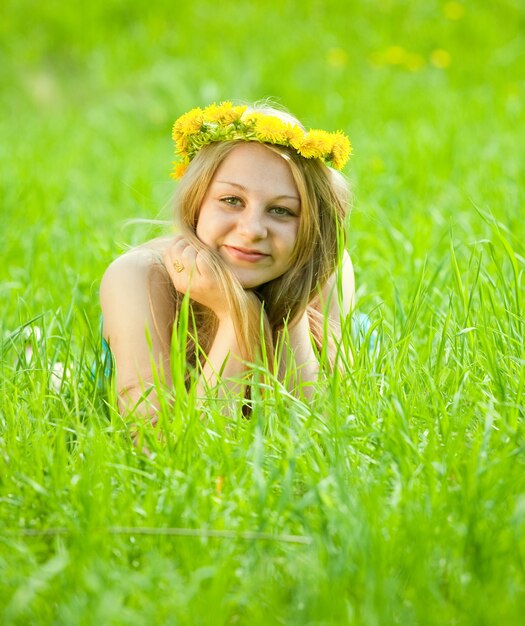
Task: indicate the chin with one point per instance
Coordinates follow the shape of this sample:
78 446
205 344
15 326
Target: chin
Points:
250 284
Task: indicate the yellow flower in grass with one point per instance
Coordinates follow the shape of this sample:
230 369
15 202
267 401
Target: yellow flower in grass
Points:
453 10
440 58
224 113
188 124
341 150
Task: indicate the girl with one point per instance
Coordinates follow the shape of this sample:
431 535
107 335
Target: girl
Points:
260 212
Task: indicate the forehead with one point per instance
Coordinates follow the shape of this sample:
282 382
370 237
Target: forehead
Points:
256 167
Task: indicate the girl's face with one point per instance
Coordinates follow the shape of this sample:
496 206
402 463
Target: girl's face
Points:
250 214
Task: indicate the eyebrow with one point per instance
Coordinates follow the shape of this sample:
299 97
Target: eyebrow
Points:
279 197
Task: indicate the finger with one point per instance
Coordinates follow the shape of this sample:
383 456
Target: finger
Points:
173 255
187 258
177 248
175 267
202 264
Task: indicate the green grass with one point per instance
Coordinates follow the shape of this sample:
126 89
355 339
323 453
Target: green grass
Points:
397 496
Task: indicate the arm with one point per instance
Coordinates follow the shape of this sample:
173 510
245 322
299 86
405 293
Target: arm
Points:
136 304
299 364
225 361
138 313
336 301
338 295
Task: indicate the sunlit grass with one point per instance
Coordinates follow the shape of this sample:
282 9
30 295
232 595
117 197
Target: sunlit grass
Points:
396 495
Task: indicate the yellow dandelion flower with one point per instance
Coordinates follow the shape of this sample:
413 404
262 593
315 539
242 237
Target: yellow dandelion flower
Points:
322 139
226 122
179 169
394 55
453 10
271 129
315 144
297 141
188 124
414 62
294 134
341 150
306 149
213 112
235 113
182 145
224 113
337 57
252 116
440 58
175 131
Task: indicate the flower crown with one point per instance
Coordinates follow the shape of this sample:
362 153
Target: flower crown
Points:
227 122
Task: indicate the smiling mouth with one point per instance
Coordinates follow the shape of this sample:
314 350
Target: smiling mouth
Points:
245 254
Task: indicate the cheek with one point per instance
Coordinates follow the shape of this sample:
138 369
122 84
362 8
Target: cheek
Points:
210 227
203 226
291 238
199 230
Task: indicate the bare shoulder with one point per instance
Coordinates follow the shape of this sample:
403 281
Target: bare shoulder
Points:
127 278
140 264
134 263
138 308
136 288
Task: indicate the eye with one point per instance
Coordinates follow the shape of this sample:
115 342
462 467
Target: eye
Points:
282 211
231 200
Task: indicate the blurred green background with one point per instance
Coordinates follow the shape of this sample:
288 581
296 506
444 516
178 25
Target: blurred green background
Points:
431 94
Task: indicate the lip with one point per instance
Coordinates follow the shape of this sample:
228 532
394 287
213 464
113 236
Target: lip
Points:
245 254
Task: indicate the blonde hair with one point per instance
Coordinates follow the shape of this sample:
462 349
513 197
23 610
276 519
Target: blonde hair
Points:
324 197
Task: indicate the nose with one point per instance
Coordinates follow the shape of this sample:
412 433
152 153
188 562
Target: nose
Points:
252 225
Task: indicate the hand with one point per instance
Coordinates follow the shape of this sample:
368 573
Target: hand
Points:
190 272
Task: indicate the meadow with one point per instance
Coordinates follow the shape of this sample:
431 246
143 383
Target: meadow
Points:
397 495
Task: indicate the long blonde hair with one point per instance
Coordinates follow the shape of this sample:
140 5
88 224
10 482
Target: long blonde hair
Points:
324 199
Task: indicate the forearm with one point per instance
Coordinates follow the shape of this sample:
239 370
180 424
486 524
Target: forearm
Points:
237 343
299 364
224 362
